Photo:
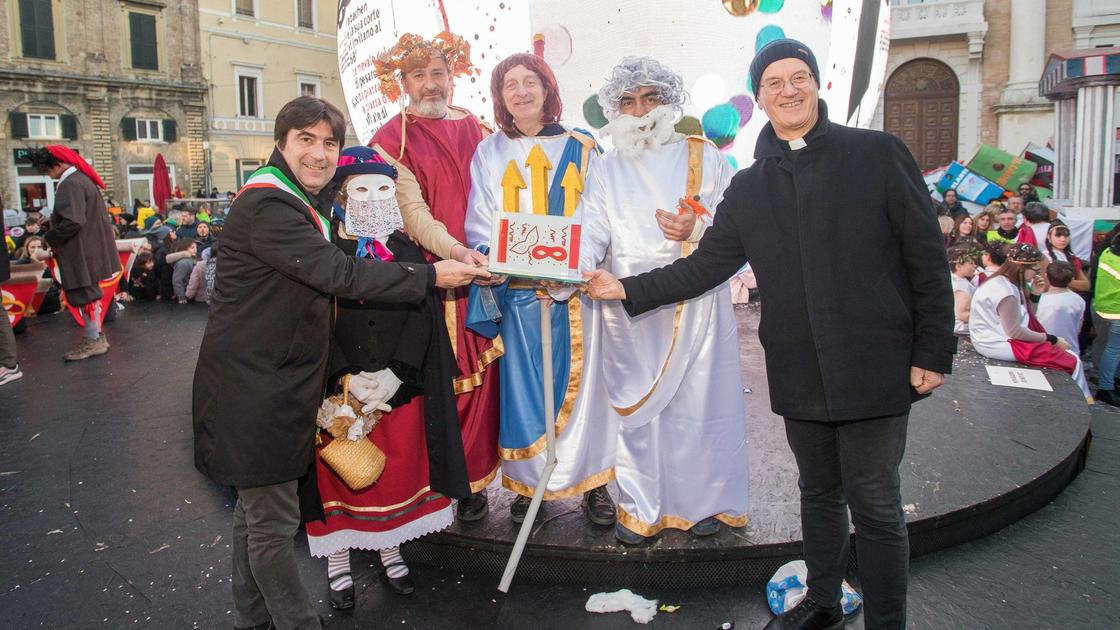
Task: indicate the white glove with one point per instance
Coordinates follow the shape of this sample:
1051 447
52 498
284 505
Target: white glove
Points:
373 389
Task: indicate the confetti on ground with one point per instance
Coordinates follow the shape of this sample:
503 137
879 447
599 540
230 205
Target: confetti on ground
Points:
215 543
910 508
100 546
187 501
9 472
956 406
669 608
54 531
34 436
159 548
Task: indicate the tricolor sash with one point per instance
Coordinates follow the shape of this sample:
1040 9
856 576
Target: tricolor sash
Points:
272 177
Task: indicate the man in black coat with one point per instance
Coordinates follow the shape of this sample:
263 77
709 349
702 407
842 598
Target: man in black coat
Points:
262 365
856 320
82 241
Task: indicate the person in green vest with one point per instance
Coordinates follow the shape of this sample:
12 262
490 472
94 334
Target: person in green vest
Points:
1007 231
1106 302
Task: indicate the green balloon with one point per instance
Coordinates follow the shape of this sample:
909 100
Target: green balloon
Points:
771 6
721 123
593 113
689 126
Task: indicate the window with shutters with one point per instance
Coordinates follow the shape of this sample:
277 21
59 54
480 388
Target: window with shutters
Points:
36 28
43 127
245 7
249 95
305 13
149 130
142 39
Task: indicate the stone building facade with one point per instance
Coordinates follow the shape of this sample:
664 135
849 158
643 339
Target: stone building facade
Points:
256 56
118 80
962 73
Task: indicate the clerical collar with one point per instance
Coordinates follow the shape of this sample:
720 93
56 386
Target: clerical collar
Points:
800 143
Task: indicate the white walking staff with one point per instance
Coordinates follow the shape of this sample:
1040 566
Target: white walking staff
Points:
550 447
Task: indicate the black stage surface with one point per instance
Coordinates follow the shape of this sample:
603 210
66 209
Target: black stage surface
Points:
108 525
978 458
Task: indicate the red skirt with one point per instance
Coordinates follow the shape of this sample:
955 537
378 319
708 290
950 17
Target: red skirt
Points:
399 507
1043 354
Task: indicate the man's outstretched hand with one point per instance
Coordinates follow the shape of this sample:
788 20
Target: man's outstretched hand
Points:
452 273
476 259
601 285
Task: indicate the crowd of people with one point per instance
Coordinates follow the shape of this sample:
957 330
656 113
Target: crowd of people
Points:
173 255
1021 293
176 263
354 283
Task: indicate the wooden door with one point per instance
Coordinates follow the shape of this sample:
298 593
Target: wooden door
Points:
922 103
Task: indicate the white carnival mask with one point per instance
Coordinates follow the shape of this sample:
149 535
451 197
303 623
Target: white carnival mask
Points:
371 206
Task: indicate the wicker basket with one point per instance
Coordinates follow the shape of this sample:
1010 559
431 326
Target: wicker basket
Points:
358 463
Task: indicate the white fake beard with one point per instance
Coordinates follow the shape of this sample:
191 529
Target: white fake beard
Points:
632 135
373 218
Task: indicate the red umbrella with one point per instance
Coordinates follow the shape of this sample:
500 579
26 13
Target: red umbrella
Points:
161 184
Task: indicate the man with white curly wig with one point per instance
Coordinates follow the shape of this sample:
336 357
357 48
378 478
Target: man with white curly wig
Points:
672 376
642 98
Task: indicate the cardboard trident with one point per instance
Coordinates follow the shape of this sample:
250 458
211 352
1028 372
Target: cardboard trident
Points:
550 249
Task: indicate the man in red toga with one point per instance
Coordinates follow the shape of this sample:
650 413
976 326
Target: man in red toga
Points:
431 144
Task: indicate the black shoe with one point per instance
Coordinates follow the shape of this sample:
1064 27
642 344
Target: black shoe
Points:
598 507
628 536
341 600
474 507
808 616
1108 397
402 585
519 508
706 527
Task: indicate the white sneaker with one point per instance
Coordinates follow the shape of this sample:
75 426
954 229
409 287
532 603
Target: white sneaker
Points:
7 375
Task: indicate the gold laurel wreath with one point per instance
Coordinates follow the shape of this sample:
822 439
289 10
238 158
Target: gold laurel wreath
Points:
412 51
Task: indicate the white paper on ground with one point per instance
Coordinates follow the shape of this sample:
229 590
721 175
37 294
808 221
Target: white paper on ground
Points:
642 610
1018 377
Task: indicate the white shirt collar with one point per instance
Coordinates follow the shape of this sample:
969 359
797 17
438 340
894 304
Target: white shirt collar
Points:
67 173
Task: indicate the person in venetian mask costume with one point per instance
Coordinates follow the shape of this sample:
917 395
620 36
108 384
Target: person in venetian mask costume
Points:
400 360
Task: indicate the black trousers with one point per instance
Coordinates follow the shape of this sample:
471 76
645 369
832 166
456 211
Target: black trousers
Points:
266 582
854 465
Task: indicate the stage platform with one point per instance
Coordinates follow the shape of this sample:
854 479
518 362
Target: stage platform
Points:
979 457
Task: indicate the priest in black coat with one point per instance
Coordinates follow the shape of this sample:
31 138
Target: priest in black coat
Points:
856 320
